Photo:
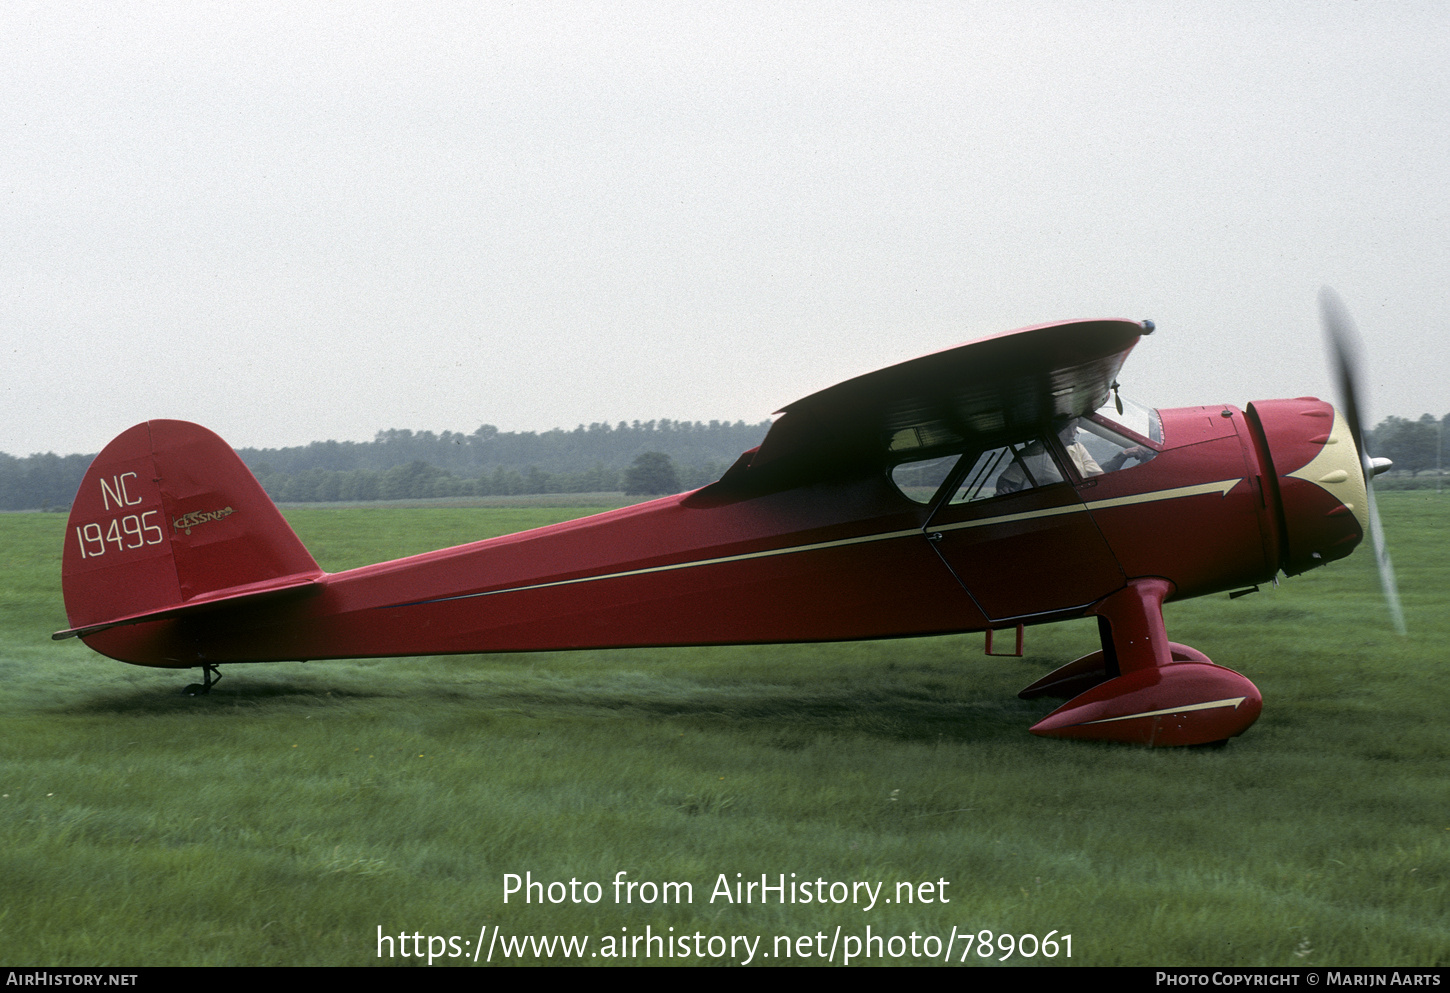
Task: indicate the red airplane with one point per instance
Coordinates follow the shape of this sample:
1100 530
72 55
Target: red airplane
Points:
994 485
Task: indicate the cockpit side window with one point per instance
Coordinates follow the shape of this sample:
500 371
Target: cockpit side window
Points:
1088 446
1106 449
1009 469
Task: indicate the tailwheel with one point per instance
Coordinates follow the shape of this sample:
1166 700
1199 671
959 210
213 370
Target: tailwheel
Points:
211 675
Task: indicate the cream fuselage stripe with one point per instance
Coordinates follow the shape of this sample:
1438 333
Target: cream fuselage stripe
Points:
693 563
1222 487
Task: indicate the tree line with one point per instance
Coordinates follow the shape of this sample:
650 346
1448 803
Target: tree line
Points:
402 464
1413 446
650 474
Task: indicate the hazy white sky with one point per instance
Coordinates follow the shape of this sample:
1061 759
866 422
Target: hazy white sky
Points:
293 221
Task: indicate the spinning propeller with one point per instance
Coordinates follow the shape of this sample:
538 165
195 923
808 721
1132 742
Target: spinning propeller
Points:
1344 340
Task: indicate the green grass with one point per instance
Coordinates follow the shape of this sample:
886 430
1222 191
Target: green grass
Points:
286 817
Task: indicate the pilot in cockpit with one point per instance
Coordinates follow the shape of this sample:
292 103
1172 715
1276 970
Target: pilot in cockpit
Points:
1082 459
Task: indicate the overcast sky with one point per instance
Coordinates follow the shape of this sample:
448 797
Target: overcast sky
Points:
292 222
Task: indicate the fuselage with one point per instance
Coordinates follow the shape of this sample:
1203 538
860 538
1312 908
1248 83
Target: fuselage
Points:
1217 506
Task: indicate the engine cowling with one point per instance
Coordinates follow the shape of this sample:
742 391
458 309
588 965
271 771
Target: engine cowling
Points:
1315 475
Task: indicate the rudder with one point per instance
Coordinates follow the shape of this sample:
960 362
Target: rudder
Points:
169 519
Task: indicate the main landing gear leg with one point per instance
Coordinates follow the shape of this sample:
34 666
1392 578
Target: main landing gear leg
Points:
1142 688
210 675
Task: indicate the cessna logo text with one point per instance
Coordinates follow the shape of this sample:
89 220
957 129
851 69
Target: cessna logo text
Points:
188 521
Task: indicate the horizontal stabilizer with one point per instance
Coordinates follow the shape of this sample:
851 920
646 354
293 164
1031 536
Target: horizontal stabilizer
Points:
249 593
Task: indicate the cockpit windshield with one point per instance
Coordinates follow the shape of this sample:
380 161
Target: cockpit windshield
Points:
1136 418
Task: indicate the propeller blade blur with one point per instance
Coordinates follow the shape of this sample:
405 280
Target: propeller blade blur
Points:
1344 343
1343 340
1382 560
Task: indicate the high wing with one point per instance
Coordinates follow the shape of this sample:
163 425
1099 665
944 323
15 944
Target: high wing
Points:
1002 385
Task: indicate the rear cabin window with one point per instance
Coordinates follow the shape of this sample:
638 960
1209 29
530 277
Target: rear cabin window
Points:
919 481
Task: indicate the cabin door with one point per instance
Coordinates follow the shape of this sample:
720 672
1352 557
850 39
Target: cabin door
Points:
1017 536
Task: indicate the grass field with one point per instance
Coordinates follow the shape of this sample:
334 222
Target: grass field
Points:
289 816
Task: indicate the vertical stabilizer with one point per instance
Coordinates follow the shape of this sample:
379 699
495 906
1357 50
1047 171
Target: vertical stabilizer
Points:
168 518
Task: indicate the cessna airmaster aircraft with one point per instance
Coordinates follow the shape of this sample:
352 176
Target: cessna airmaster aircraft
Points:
997 484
